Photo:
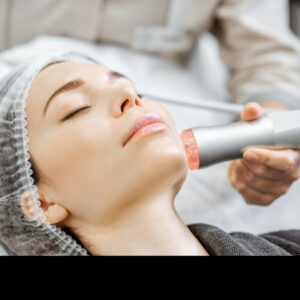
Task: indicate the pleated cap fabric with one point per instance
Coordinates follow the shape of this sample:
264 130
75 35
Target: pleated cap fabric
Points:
19 234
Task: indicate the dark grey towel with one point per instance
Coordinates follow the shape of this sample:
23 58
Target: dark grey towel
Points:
219 243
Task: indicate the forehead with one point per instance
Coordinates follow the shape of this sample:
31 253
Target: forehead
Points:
58 74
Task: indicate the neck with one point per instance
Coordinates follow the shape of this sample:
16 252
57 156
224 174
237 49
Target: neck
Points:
150 227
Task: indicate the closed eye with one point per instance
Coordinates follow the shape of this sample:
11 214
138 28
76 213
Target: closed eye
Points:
74 113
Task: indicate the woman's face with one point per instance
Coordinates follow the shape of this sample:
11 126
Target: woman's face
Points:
90 173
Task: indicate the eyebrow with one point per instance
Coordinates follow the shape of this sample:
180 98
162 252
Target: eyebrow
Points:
72 85
76 83
113 74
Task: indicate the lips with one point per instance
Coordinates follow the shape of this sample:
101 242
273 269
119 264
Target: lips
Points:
141 122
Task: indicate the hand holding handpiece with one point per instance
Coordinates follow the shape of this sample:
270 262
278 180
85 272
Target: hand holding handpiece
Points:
264 173
261 173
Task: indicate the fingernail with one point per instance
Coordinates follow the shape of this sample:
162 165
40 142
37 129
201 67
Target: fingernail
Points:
251 156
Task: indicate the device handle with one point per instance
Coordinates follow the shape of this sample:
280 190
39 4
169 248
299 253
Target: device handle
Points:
221 143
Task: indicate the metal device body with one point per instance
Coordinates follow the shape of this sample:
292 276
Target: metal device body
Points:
215 144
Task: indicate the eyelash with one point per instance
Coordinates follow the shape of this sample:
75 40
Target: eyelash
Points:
75 112
85 107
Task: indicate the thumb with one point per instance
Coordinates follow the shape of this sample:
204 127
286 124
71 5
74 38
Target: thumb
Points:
251 112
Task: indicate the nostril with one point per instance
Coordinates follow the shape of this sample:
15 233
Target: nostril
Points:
124 104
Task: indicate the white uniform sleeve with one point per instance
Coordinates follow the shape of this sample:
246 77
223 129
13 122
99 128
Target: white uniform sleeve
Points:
259 48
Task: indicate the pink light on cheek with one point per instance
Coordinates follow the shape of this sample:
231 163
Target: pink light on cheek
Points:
191 149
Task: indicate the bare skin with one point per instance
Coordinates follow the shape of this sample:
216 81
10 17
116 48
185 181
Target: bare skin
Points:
118 200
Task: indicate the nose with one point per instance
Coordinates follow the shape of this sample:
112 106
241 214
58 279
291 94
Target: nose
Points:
128 100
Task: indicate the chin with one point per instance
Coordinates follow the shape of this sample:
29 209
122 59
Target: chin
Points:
174 159
160 164
167 157
171 168
159 156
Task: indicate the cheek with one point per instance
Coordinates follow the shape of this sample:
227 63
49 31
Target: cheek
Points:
79 160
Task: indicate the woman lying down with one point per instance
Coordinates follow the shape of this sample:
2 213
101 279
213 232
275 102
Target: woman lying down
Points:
76 180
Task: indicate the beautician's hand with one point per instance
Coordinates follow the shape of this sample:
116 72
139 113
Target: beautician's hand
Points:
265 173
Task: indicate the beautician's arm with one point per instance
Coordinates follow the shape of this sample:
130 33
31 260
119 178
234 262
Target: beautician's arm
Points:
262 54
274 104
264 174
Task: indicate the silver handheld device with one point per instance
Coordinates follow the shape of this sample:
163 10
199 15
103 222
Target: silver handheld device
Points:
207 145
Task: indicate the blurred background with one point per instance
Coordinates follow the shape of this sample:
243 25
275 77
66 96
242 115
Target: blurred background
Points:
295 16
